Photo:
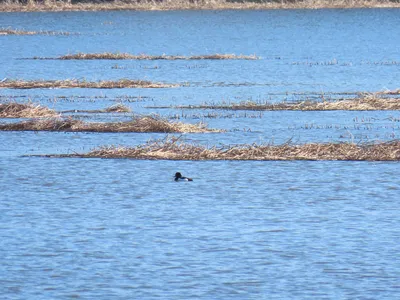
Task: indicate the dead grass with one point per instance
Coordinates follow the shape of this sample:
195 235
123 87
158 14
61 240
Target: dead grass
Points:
10 31
73 83
55 5
122 56
137 124
30 110
171 149
365 103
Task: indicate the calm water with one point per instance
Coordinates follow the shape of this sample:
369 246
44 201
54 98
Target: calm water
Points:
123 229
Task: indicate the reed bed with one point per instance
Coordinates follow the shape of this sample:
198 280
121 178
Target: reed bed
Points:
68 5
10 31
172 149
370 102
18 110
122 56
137 124
73 83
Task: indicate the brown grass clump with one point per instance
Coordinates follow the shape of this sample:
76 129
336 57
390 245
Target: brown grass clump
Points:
122 56
73 83
369 102
170 149
137 124
66 5
17 110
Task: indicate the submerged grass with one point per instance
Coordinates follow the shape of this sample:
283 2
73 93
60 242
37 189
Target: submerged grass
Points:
116 108
18 110
73 83
67 5
365 103
122 56
137 124
172 149
10 31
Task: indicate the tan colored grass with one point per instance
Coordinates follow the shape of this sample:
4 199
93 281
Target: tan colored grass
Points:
122 56
172 149
73 83
365 103
30 110
53 5
137 124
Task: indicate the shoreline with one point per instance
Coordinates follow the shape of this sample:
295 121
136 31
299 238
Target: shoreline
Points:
58 6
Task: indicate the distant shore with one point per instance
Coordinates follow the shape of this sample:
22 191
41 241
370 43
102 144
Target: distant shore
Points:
68 5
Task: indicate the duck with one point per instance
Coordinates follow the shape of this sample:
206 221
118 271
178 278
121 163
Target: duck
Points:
179 177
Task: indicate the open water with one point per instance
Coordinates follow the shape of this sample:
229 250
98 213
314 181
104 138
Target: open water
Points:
123 229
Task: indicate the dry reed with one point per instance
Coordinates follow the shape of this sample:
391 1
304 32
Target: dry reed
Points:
172 149
73 83
367 102
18 110
122 56
56 5
137 124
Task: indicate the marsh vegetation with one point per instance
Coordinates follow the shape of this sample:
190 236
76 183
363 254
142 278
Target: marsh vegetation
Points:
136 124
19 110
173 149
366 102
127 56
11 31
75 83
70 5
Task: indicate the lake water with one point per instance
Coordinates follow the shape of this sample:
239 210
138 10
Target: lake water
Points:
123 229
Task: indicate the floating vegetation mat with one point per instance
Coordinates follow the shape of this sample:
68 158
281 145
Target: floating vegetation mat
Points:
137 124
172 149
10 31
121 56
364 103
72 83
17 110
67 5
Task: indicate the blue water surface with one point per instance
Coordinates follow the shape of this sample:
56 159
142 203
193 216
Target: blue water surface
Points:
123 229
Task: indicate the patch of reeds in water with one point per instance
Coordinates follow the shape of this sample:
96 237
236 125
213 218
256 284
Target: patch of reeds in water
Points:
137 124
368 102
67 5
122 56
172 149
73 83
18 110
10 31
